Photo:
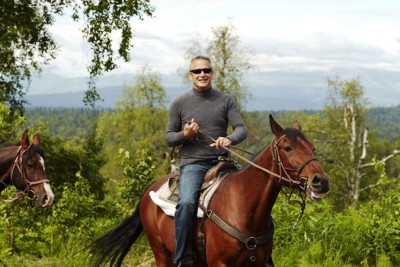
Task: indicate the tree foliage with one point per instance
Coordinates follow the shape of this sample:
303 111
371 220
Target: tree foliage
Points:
367 236
347 145
143 106
73 124
27 44
140 116
139 171
230 61
8 123
138 122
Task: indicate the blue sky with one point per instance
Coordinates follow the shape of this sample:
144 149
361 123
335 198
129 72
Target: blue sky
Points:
315 38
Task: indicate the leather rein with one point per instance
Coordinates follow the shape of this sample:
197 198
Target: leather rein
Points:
301 182
18 165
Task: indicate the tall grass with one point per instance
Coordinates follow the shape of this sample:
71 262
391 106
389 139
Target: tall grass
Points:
367 236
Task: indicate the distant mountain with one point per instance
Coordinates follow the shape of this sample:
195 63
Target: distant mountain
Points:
271 90
109 95
259 101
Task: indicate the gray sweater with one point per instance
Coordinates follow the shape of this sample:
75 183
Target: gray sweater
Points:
213 111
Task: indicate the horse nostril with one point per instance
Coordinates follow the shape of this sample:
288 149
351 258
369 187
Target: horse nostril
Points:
320 183
45 200
316 180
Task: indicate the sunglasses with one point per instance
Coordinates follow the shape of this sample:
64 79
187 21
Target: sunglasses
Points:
198 71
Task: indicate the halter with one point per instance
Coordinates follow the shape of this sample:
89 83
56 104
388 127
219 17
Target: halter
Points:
18 164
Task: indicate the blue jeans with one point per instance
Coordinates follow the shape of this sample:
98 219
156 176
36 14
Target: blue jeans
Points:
190 180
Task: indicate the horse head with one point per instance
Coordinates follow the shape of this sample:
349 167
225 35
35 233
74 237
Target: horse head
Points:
28 173
295 159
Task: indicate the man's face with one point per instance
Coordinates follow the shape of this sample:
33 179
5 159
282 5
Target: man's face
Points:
202 80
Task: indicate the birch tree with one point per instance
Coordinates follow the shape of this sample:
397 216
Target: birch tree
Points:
355 169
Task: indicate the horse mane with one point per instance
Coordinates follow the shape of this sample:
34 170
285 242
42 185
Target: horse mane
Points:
4 152
34 149
8 144
292 133
31 150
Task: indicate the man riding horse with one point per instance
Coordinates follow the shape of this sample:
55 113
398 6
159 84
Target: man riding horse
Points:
212 111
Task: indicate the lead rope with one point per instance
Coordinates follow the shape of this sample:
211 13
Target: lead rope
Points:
302 205
18 197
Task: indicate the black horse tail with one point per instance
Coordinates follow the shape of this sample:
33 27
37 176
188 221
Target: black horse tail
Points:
113 246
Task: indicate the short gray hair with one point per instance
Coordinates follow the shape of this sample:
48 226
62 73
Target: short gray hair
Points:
200 57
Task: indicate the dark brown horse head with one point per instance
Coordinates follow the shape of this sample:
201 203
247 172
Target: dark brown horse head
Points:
295 156
29 174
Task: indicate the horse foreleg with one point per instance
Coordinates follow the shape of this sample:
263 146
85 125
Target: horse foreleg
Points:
162 255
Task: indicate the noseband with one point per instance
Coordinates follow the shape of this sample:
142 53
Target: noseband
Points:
17 164
301 180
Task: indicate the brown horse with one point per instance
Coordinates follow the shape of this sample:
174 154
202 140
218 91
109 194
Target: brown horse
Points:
22 165
237 229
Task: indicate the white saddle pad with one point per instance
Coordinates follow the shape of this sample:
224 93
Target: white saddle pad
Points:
160 197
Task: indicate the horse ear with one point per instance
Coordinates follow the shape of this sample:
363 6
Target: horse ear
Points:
276 129
296 125
36 139
25 139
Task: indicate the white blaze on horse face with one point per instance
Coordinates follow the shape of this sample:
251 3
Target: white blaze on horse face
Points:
41 160
50 195
49 192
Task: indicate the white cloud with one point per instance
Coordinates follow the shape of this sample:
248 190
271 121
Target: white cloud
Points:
344 37
306 34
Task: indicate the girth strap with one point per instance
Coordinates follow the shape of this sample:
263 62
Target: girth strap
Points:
250 241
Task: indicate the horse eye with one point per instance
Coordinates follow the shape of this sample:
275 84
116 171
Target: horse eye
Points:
288 148
30 164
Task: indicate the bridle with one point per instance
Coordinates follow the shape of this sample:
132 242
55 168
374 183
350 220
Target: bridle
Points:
17 164
301 181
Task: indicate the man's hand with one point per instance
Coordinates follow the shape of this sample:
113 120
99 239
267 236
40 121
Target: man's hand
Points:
221 141
190 129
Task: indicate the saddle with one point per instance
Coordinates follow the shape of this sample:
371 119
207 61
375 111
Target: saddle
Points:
212 180
222 168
